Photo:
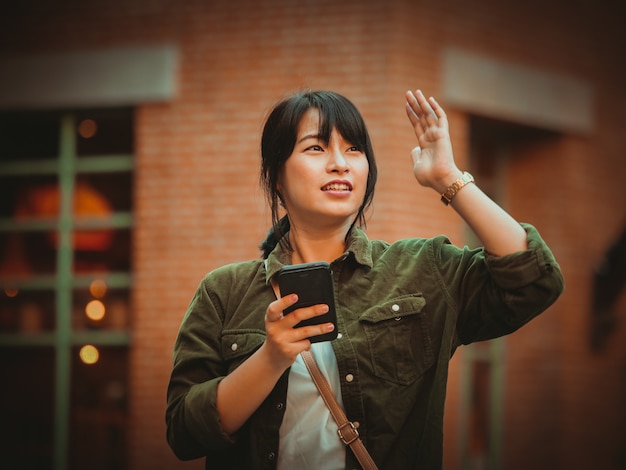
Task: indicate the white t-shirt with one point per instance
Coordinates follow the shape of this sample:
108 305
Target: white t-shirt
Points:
308 434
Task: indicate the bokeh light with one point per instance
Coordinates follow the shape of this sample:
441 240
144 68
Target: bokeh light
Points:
95 310
87 128
89 354
98 288
11 291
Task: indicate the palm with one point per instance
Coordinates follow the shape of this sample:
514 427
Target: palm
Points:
432 159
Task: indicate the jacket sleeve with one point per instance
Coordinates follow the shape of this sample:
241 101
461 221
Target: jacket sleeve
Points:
494 296
193 425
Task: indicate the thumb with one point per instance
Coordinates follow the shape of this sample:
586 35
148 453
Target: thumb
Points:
416 154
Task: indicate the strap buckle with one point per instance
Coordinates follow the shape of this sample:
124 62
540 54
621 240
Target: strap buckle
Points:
352 434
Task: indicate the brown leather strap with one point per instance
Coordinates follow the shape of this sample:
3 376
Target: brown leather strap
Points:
346 429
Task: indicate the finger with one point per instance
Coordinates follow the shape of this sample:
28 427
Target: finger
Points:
416 154
421 111
275 309
413 104
414 113
429 114
411 114
441 114
314 330
415 121
295 317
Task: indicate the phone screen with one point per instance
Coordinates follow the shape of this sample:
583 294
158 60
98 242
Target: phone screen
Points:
313 283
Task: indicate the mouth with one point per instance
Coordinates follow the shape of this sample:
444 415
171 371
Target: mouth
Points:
337 187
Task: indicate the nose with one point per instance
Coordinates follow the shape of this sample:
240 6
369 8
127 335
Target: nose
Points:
337 161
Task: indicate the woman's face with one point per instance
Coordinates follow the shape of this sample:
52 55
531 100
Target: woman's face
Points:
322 184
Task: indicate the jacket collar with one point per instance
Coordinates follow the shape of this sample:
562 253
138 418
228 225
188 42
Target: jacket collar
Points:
358 247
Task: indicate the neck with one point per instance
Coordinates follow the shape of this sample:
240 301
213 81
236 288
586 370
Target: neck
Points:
309 246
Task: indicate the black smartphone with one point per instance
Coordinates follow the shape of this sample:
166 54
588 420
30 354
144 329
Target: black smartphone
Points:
313 283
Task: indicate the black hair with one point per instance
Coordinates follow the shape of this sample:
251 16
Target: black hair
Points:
279 139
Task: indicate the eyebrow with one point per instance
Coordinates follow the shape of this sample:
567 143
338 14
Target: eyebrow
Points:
308 136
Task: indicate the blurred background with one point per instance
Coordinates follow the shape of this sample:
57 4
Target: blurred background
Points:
129 157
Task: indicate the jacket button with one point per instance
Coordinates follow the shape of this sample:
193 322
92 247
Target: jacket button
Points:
271 456
233 346
349 378
279 406
395 307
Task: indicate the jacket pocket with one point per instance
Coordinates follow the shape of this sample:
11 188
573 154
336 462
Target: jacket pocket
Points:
398 337
238 345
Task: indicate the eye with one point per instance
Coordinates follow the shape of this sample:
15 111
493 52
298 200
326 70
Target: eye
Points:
355 150
315 148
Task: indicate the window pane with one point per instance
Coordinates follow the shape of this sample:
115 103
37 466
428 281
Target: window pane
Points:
26 407
99 407
31 202
100 308
479 413
26 254
26 311
29 196
101 193
103 250
28 136
104 132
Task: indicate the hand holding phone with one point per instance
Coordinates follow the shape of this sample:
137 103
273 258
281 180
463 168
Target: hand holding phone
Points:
313 283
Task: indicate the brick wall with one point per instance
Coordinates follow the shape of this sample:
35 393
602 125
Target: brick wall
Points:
198 205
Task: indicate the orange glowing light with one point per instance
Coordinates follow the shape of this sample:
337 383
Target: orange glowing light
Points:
98 288
44 202
87 128
11 291
95 310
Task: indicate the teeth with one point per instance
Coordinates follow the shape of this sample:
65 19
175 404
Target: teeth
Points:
336 187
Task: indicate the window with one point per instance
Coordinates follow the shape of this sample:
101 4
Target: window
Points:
493 145
65 276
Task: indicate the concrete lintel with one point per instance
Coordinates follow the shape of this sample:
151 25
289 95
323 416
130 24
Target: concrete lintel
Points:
517 93
111 77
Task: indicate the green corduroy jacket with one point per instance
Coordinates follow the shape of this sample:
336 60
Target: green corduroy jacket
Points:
403 309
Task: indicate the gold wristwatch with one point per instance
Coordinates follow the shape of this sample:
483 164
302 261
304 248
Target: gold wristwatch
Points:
448 194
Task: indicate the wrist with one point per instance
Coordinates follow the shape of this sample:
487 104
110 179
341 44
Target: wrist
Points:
448 194
445 178
274 362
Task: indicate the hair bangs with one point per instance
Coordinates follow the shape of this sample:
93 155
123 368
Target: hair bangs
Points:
336 112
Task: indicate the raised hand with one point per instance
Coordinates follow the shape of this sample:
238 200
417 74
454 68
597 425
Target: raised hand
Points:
433 160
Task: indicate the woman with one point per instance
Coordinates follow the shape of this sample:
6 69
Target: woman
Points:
239 394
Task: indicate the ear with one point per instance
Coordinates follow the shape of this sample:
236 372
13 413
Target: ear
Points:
279 183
